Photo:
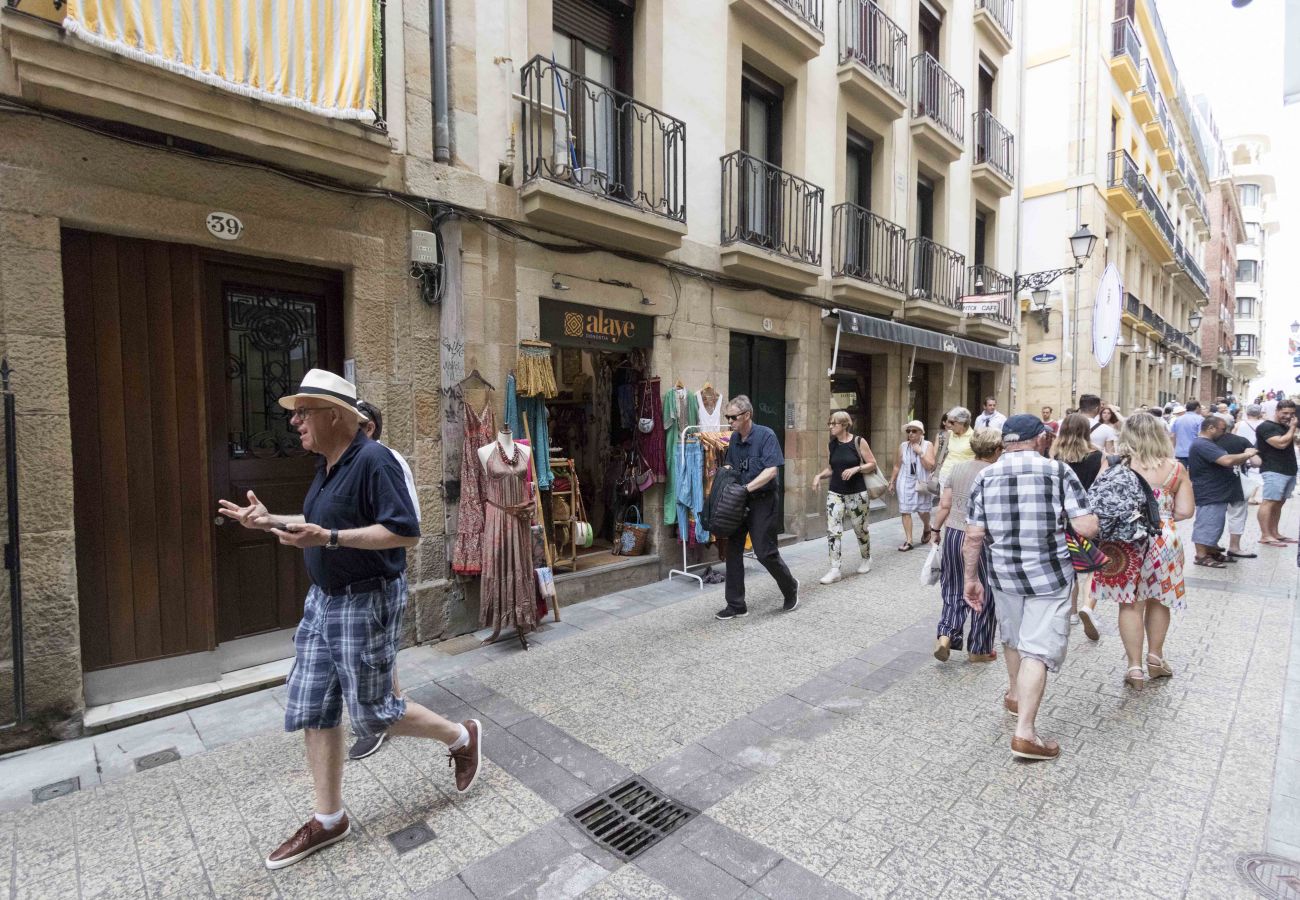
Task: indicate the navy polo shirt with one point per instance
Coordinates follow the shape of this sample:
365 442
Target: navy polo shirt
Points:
365 487
750 456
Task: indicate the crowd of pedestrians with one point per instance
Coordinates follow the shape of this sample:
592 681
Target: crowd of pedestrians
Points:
1038 521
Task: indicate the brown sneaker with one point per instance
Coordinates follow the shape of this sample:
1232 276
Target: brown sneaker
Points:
467 758
307 840
942 647
1035 749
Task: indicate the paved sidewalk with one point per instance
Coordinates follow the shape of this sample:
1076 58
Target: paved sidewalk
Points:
828 753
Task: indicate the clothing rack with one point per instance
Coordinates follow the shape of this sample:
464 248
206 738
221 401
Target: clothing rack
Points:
685 570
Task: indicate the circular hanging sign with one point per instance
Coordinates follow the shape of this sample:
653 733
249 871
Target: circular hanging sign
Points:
1106 315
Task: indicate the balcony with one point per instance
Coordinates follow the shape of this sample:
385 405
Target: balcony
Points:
873 57
598 164
1194 272
1152 324
305 130
867 260
1144 97
1150 222
996 19
998 321
1159 132
938 109
794 24
771 223
1125 54
1123 182
995 155
1132 311
934 281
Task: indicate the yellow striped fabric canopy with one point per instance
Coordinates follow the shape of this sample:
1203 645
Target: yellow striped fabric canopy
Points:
316 55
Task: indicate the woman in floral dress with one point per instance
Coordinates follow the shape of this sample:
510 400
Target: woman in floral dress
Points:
1146 578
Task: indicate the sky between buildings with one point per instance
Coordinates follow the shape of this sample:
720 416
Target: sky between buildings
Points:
1234 56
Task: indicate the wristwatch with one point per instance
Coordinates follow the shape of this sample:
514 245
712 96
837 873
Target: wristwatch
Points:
333 543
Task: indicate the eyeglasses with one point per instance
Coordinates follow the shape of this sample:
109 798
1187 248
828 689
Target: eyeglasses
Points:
302 412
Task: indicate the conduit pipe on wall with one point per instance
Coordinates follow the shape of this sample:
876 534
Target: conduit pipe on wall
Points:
438 42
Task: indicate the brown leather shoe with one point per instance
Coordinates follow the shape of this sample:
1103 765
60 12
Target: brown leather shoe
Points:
307 840
467 758
1010 705
1036 749
942 647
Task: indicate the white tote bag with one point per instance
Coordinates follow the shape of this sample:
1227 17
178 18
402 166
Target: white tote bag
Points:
930 568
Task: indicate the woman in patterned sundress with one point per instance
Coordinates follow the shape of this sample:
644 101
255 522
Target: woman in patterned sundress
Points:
1146 578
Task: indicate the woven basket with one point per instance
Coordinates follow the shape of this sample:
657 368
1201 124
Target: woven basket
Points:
631 538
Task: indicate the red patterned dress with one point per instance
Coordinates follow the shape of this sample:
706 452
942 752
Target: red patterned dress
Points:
480 429
1152 570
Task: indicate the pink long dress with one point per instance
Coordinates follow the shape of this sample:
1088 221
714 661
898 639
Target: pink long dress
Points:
508 593
467 554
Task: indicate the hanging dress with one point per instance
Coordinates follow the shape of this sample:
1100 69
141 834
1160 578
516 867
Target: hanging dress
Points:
679 413
508 591
480 429
710 420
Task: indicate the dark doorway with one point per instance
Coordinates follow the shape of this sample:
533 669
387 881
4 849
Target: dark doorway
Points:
760 137
929 23
757 367
266 328
851 390
981 235
986 77
925 207
975 394
918 398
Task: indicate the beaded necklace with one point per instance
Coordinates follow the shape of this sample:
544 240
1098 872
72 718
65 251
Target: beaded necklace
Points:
505 459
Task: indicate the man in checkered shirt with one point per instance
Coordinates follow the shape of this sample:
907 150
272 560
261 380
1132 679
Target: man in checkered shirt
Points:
1019 507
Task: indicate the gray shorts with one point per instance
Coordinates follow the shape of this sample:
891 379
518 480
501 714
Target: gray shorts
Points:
1037 627
1278 486
1237 514
1208 527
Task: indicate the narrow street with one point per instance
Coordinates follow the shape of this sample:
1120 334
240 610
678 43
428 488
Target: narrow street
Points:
828 753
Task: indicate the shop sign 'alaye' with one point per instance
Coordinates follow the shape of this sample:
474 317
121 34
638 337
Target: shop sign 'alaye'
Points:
575 325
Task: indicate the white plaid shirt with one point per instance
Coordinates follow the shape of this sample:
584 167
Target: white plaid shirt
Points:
1023 502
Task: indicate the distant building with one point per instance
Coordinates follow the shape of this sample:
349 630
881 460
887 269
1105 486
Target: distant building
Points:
1248 157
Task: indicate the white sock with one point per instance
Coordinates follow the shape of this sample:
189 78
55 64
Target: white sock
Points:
330 820
460 741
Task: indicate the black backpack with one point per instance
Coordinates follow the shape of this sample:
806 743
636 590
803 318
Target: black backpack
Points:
724 509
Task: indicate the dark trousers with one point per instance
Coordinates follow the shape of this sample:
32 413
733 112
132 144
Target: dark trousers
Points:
760 524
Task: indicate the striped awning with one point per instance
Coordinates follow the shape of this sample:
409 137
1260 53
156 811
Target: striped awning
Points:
314 55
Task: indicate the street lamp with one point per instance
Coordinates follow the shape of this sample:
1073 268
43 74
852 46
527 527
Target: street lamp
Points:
1195 319
1038 303
1081 246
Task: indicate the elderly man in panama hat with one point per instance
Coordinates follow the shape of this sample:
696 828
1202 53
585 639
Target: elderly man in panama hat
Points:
356 525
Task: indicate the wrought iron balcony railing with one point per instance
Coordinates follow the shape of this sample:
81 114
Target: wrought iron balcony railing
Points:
934 272
1246 345
808 10
870 37
994 144
1162 116
988 280
937 94
1193 270
770 208
1133 306
867 247
1147 80
1151 203
1002 11
580 133
1124 40
1123 172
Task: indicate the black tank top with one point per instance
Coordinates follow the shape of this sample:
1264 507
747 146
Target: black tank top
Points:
845 456
1087 468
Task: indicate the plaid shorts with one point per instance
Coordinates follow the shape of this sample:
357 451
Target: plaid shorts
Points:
346 648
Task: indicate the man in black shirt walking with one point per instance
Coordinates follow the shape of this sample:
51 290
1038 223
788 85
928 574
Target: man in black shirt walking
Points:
1275 440
357 523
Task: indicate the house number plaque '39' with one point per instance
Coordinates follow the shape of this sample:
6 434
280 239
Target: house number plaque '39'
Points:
224 226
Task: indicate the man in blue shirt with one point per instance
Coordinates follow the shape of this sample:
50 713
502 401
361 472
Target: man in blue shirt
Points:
357 523
755 453
1185 429
1215 484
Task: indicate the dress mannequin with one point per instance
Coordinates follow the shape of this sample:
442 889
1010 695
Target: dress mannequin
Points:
710 409
505 443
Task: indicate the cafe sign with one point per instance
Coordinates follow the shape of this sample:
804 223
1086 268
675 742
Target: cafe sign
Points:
595 328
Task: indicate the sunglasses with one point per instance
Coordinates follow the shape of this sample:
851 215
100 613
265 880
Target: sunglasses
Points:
733 418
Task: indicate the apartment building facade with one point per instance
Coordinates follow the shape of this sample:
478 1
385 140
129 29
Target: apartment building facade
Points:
1252 181
1112 141
175 251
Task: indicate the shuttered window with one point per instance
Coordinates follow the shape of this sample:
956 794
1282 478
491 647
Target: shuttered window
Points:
604 26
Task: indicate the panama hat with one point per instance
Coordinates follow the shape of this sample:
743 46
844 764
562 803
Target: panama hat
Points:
915 423
322 385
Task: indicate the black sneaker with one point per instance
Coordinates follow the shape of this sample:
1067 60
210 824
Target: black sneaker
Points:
367 745
793 602
728 613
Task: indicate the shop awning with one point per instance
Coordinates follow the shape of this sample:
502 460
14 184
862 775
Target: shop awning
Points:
910 335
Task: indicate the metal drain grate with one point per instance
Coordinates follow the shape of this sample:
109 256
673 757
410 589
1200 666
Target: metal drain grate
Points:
156 759
407 839
1270 876
630 818
57 789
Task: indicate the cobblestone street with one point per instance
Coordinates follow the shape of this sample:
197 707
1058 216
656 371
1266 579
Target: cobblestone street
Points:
828 754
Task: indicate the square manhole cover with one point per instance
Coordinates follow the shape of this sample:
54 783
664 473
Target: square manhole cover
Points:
407 839
1270 876
57 789
154 760
630 818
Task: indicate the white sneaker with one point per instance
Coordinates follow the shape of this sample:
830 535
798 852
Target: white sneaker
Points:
1074 620
864 567
832 576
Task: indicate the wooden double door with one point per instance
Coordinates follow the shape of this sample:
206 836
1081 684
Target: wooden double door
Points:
176 358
